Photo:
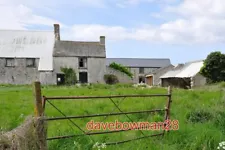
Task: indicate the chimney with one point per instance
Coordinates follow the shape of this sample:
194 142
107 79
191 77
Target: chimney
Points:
102 40
57 32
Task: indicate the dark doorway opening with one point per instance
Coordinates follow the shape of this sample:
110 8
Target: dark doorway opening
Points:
141 79
83 77
60 79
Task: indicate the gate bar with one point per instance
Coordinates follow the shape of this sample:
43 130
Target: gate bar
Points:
125 141
107 114
99 97
93 133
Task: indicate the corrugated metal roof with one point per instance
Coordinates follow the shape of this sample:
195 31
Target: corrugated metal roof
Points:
75 48
188 70
28 44
140 62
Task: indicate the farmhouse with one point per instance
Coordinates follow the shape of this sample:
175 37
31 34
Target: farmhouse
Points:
140 66
184 76
26 56
86 58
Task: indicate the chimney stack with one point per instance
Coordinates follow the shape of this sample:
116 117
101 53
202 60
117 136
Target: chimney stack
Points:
57 32
102 40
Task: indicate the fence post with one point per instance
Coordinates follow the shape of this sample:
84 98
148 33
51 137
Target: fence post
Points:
167 112
40 127
38 109
169 103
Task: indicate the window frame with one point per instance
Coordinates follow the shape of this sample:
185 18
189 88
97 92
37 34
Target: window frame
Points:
34 63
84 62
141 68
7 59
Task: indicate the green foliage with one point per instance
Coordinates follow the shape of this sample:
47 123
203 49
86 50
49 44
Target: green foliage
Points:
121 68
214 67
199 116
70 76
110 79
16 101
222 84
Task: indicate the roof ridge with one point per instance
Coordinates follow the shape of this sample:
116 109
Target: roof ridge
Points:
26 30
138 58
80 41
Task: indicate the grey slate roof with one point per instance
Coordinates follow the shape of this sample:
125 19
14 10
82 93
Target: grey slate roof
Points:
74 48
140 62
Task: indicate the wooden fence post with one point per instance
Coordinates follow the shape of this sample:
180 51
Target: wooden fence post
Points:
169 102
38 109
40 127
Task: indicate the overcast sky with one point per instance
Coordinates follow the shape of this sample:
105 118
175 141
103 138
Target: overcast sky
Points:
182 30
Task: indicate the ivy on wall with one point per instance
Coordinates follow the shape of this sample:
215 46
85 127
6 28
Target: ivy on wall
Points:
121 68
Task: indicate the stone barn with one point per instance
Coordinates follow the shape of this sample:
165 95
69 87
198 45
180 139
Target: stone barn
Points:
26 56
139 67
184 76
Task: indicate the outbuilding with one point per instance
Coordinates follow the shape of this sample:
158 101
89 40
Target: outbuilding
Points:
184 76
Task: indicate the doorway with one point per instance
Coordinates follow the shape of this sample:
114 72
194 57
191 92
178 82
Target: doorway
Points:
60 79
83 77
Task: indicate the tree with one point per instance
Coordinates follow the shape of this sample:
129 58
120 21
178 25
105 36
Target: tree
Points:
214 67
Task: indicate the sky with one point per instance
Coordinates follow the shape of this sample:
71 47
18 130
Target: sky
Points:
181 30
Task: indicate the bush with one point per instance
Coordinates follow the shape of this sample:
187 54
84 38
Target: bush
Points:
110 79
70 76
222 84
121 68
199 116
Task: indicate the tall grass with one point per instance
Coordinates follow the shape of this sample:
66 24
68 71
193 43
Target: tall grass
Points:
200 113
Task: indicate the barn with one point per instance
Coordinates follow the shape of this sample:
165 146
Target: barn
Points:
184 76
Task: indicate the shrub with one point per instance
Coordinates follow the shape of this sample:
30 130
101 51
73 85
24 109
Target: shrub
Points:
70 76
222 84
110 79
121 68
199 116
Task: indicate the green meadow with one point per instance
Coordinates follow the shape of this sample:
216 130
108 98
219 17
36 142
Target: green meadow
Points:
200 112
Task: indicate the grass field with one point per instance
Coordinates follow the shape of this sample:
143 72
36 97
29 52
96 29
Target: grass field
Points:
200 112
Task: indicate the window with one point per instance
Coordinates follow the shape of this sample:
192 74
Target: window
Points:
10 62
141 79
141 70
30 62
82 62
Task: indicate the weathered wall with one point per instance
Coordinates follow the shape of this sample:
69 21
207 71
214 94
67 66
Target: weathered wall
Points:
48 78
96 70
20 74
95 67
31 135
136 73
198 80
176 82
160 72
123 78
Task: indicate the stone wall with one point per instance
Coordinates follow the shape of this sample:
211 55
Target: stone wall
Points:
31 135
95 67
20 73
123 78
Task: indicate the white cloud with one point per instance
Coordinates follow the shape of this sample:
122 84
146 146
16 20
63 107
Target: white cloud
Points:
125 3
196 21
19 16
